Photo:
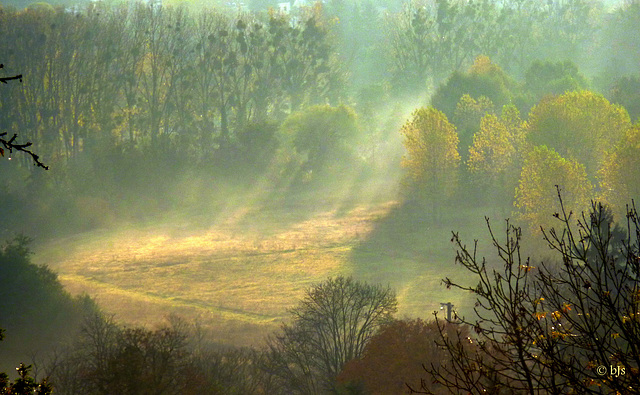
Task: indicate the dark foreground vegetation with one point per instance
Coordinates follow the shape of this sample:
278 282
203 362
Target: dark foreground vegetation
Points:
568 324
521 109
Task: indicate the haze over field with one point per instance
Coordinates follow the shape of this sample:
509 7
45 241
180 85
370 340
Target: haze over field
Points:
216 170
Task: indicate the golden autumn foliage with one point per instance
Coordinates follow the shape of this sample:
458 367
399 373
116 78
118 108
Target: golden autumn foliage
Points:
482 65
495 146
579 125
467 118
536 195
432 152
469 108
620 173
495 156
492 151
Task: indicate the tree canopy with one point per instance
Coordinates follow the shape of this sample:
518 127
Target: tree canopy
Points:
395 357
323 136
621 171
432 154
581 126
536 196
484 78
496 155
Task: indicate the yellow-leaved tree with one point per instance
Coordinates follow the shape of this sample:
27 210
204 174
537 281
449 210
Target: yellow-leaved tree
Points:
620 174
536 195
495 156
580 125
492 150
467 117
432 157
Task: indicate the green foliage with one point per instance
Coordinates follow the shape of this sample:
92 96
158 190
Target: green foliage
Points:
257 143
324 137
618 47
28 291
359 38
484 78
12 252
429 40
121 99
24 384
549 78
626 93
377 126
41 6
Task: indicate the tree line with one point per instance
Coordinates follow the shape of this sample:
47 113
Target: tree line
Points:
576 139
135 75
120 98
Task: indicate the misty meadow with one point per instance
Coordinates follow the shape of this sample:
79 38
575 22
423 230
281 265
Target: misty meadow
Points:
336 197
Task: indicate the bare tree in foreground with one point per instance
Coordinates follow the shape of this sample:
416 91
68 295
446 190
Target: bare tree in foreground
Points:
331 326
569 326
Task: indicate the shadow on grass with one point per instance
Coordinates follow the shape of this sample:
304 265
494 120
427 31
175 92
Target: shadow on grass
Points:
409 242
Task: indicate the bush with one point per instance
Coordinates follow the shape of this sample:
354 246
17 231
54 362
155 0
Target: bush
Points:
24 384
36 310
394 357
323 138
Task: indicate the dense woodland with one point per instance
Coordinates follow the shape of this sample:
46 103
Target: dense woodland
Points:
132 105
142 112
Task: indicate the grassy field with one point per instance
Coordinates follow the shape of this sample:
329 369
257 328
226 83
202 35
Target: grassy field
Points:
239 275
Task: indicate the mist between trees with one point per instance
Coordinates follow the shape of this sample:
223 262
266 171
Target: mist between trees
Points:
121 98
445 111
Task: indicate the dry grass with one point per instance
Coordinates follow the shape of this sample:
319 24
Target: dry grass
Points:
237 280
239 276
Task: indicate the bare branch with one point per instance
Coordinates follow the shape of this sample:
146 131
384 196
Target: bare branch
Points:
10 145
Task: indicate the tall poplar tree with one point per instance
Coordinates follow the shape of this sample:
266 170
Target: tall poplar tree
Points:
432 157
